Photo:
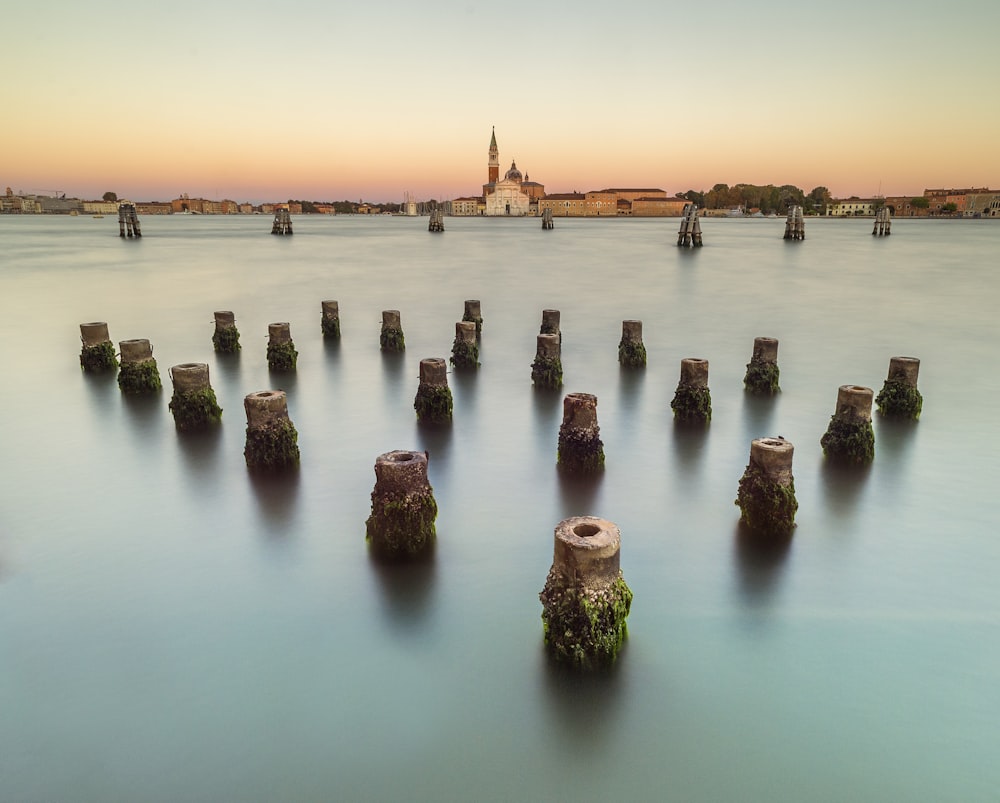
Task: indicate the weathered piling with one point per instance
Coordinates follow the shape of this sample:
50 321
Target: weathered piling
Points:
330 321
474 312
272 443
692 402
391 338
899 397
850 437
546 370
437 221
281 353
433 401
282 222
795 224
547 223
138 372
97 352
550 323
766 495
193 404
883 222
585 600
226 338
128 220
631 350
401 524
689 233
465 349
581 450
762 370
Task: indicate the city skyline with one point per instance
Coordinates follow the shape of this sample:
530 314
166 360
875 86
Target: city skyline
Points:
326 103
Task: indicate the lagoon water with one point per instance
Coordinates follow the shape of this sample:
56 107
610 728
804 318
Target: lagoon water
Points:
171 629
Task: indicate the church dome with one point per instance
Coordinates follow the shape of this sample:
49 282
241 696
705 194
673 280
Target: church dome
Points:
514 174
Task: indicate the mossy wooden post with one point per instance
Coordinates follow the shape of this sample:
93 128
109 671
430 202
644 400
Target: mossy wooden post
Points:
330 322
546 370
766 495
193 404
585 600
550 323
899 396
849 437
580 448
98 352
433 401
272 443
391 338
465 349
401 524
631 350
226 338
281 353
474 312
692 403
138 372
762 370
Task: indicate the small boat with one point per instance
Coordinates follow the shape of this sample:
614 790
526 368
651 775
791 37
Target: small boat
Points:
98 217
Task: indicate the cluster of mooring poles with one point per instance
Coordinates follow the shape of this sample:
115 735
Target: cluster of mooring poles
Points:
547 222
282 222
128 220
585 600
883 222
690 230
795 224
436 222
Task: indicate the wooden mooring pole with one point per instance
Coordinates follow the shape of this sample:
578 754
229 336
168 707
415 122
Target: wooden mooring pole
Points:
128 220
795 225
547 222
883 220
690 231
282 222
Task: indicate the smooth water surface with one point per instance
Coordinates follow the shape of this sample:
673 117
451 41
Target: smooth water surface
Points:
172 629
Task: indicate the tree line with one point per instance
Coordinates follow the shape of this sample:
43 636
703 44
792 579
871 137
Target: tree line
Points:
768 198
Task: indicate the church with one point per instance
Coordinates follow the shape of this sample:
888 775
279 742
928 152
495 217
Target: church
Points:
514 195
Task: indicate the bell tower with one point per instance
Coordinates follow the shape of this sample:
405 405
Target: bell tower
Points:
494 164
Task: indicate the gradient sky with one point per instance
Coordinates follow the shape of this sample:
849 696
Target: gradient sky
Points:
328 100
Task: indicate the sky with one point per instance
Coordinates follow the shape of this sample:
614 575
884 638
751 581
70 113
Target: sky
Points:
331 100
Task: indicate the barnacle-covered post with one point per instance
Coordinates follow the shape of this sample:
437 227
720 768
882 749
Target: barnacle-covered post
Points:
433 401
98 352
546 370
762 370
272 443
631 350
193 404
474 312
465 349
281 353
585 600
692 402
850 438
226 338
766 495
330 322
391 338
581 450
138 372
899 396
401 524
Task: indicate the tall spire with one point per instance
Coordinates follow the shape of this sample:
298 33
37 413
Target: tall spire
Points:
493 139
493 166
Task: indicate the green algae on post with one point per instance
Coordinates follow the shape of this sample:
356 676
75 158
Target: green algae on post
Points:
585 600
581 450
465 349
546 370
330 322
138 372
692 402
899 397
631 350
766 495
762 370
193 404
473 313
401 524
391 338
98 352
271 438
226 338
281 353
433 401
850 438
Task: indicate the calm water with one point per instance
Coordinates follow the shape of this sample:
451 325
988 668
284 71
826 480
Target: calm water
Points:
172 630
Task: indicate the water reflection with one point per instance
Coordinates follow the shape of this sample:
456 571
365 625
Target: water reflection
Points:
760 559
331 348
578 493
392 369
583 704
436 440
276 496
547 404
283 380
228 367
757 414
466 385
894 437
690 445
144 411
200 451
102 388
842 487
630 388
406 590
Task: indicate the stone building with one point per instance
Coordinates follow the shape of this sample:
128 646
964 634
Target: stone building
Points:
515 194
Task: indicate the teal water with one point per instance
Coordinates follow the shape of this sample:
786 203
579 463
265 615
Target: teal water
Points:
172 630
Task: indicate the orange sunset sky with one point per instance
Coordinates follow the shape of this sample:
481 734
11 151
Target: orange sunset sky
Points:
262 101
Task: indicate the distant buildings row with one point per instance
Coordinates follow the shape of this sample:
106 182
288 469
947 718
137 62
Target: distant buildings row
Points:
973 202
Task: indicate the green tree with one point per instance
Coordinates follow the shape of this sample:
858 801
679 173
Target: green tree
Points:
920 203
110 196
951 206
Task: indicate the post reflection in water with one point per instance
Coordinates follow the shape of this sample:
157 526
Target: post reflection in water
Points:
276 496
406 590
843 488
760 561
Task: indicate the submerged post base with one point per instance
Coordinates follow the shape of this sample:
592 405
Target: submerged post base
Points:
99 357
282 356
272 447
195 409
547 372
139 377
401 524
899 400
